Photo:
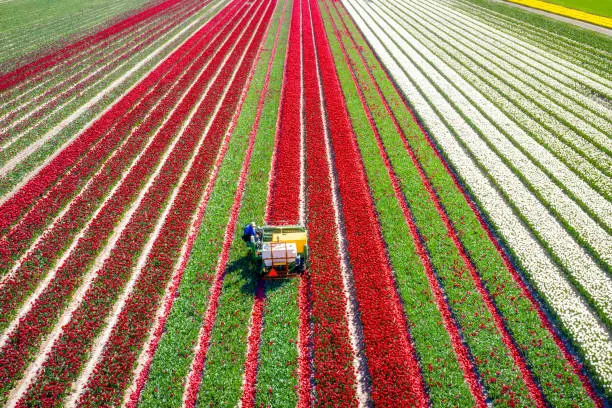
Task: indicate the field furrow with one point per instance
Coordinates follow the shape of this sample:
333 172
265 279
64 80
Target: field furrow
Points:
554 287
25 165
439 170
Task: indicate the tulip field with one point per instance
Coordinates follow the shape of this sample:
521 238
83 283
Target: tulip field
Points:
451 161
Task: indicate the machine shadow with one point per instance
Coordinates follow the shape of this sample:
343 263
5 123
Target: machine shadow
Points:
247 268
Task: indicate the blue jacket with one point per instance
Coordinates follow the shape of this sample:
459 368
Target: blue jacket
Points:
249 230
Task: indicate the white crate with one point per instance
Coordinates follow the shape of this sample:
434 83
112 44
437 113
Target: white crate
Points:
279 253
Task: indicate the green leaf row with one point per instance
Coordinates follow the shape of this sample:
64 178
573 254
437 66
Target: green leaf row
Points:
278 353
171 363
24 167
550 368
223 372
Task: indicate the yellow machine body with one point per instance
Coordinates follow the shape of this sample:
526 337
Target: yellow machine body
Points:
298 238
284 261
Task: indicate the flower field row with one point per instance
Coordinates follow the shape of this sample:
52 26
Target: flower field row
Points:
32 32
565 11
11 79
181 329
98 186
42 81
133 322
392 364
283 367
564 46
467 367
143 165
452 174
29 115
36 149
525 210
395 147
29 272
335 376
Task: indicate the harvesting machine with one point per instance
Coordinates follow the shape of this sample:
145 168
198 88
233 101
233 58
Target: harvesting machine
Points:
279 252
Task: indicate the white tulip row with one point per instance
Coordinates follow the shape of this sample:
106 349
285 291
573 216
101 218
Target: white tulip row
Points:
595 60
467 101
511 101
547 97
551 82
449 127
591 58
568 72
600 206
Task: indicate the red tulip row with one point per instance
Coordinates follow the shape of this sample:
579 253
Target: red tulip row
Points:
17 240
41 81
194 378
394 370
130 331
449 274
20 74
284 195
80 60
334 374
500 289
44 104
24 340
19 203
285 184
518 280
252 358
132 325
172 293
450 324
19 285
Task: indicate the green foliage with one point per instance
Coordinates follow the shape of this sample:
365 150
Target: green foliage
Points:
172 360
598 7
277 371
556 27
541 353
29 26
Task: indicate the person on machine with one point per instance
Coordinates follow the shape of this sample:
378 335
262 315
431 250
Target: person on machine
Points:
250 235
